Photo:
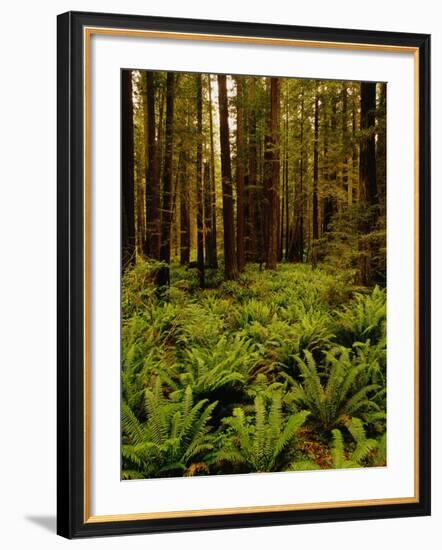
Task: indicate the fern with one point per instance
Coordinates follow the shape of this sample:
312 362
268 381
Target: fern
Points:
174 436
254 311
363 320
213 379
263 442
363 446
333 391
225 365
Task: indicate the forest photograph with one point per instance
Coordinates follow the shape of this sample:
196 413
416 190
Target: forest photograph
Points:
253 274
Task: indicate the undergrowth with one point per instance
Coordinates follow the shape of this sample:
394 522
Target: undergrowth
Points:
279 370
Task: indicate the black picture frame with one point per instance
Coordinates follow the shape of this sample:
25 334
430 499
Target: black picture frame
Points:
72 522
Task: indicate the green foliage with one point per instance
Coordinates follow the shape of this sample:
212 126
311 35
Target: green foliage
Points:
348 247
334 390
262 442
138 290
364 319
279 369
199 326
362 449
226 364
314 331
254 311
173 438
213 380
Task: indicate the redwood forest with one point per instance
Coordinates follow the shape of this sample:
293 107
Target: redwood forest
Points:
253 260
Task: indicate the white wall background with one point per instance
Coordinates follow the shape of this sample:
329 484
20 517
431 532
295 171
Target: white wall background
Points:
27 274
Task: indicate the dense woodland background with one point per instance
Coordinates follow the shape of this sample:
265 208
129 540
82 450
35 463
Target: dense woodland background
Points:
254 169
253 269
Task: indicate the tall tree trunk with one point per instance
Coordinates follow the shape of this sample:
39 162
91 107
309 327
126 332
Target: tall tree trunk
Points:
285 218
345 178
260 199
286 175
379 266
166 218
302 167
151 247
213 252
127 168
284 195
367 155
199 181
230 261
330 203
297 240
240 174
354 160
273 191
160 150
139 198
175 228
252 193
282 217
267 172
208 217
367 178
315 220
208 206
184 215
381 147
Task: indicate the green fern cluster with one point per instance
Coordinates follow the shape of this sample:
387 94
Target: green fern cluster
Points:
363 447
282 370
172 438
264 441
336 390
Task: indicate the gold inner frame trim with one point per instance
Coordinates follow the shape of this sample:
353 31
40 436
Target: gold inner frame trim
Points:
87 34
165 35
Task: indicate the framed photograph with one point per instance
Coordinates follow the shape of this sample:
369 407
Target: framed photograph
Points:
243 274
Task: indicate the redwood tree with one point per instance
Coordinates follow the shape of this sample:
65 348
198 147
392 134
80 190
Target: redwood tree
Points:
166 218
151 246
316 168
253 223
240 173
296 248
127 171
272 181
212 257
367 158
367 177
199 180
208 215
184 214
230 261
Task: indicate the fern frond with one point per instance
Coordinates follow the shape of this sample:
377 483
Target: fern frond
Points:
130 424
337 451
292 426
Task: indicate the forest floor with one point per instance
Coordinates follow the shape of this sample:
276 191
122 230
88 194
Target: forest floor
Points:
279 370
